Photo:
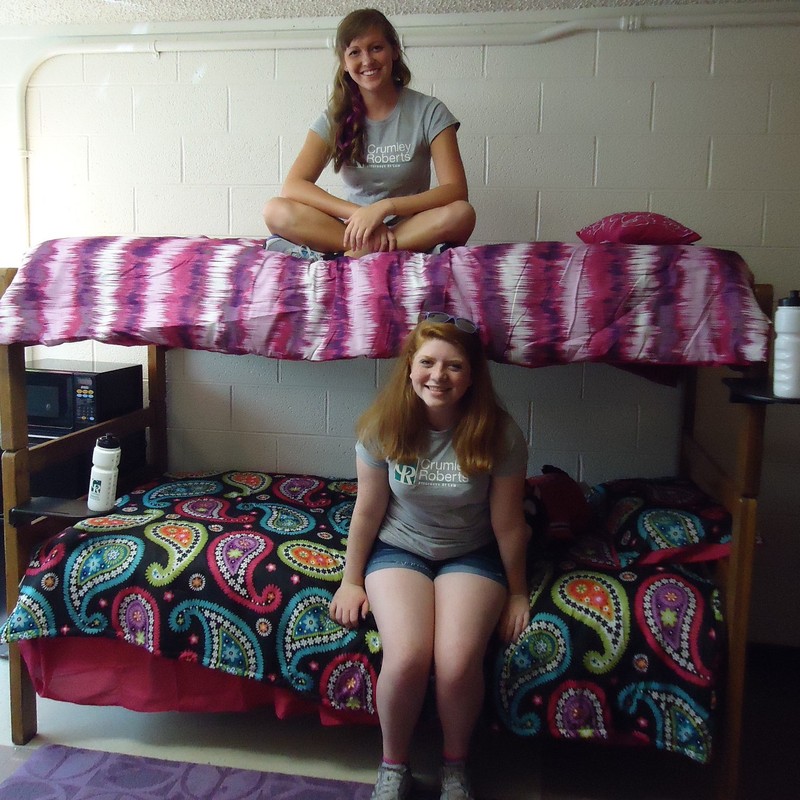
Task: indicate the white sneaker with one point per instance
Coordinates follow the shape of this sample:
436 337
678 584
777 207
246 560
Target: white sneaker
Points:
441 248
277 244
394 782
455 783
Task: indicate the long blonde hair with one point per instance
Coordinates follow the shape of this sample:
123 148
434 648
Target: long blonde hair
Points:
346 110
395 425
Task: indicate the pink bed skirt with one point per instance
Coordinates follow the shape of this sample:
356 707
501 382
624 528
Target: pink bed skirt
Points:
102 672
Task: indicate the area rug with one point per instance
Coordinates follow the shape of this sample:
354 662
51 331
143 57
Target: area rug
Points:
55 772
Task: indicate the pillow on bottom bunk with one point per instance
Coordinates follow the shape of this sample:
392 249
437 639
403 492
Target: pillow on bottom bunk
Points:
659 520
556 506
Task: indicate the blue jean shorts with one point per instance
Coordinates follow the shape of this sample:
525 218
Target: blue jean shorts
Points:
485 561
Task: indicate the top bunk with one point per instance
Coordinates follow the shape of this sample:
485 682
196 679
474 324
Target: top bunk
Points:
536 304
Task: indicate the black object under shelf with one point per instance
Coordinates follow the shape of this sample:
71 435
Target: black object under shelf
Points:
754 390
55 507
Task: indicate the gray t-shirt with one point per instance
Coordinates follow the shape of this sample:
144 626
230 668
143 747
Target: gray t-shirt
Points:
435 510
398 149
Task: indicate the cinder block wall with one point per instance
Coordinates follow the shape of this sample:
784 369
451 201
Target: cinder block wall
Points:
699 124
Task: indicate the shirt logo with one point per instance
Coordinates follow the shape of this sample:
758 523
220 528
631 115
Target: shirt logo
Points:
429 473
405 473
388 155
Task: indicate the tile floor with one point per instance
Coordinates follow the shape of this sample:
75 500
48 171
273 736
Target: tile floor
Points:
505 768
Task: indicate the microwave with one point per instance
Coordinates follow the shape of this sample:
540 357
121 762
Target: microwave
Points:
65 396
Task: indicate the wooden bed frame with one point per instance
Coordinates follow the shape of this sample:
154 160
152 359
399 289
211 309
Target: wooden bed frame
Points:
721 450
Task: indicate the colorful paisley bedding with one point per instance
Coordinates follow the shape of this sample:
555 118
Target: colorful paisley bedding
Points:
231 574
534 303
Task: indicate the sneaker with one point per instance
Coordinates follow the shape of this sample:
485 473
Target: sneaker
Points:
276 244
394 782
455 784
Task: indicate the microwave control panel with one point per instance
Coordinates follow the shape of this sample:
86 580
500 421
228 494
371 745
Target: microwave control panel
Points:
85 404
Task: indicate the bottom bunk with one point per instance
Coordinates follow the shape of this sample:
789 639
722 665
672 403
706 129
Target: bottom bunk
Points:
210 592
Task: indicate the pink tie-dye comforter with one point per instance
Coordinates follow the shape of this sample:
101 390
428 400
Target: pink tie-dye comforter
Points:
535 304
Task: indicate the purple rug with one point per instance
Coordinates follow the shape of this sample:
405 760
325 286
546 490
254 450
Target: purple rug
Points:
55 772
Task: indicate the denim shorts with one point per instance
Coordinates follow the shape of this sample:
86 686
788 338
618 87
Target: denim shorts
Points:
485 561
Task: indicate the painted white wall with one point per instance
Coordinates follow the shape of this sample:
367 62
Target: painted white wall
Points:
701 124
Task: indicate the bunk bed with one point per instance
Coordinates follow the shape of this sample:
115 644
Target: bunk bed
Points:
611 608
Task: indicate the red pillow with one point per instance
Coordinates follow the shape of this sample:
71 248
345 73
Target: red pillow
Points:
560 510
637 227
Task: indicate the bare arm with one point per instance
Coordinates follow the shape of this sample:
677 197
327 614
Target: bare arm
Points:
452 185
301 180
506 496
349 603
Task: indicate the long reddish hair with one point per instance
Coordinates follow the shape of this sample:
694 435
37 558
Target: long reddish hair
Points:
395 425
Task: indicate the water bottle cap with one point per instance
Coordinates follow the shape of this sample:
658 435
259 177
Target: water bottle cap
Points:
792 300
108 442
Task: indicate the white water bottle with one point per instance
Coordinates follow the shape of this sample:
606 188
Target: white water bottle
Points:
786 359
105 469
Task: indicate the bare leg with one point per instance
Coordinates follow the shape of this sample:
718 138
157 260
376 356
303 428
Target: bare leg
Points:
402 602
468 607
304 224
452 223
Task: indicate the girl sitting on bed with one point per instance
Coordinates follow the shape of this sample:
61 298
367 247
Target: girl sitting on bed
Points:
437 541
381 136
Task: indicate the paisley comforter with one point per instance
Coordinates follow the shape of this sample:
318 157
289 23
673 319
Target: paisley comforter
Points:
535 303
231 574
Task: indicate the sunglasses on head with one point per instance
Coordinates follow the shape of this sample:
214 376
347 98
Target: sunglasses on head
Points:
463 324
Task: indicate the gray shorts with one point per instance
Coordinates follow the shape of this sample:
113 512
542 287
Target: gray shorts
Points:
485 561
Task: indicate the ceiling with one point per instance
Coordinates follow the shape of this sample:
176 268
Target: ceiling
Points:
82 12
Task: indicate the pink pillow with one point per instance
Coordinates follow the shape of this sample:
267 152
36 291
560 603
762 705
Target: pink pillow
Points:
637 227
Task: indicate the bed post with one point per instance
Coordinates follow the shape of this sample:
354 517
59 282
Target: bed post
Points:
739 578
16 490
157 400
722 451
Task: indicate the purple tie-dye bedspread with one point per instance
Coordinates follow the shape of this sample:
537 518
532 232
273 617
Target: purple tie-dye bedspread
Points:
535 304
